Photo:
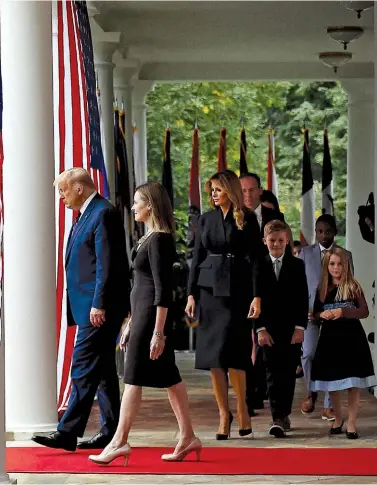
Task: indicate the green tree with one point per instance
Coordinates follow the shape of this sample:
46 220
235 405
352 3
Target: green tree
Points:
287 106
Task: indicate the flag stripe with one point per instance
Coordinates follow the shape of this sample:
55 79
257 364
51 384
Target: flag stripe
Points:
307 198
76 99
195 192
243 153
221 158
85 145
195 196
167 171
60 265
272 181
327 184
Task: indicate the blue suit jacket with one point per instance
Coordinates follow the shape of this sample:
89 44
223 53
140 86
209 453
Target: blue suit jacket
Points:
96 265
311 255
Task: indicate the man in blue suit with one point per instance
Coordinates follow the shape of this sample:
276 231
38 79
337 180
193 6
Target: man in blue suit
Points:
97 302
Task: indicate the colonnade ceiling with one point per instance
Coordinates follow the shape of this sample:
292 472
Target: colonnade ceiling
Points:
193 40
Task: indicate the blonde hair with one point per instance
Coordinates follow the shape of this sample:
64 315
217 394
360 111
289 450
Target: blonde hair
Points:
275 226
75 175
349 288
162 217
231 185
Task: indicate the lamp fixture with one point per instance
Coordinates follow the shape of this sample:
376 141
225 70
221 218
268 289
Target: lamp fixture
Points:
359 7
345 35
335 59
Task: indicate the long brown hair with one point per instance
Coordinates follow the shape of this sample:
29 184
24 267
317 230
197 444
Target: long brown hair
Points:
154 194
231 185
349 288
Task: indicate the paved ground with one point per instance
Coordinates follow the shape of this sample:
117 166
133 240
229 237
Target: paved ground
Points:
156 426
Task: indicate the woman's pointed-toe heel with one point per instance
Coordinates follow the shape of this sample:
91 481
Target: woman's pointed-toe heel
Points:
221 437
110 454
194 446
337 429
245 432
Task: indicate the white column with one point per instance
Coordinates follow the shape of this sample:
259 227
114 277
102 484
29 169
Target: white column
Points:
139 112
29 233
360 180
104 66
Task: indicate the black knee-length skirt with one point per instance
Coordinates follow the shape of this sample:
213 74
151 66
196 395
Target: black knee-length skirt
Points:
224 332
139 369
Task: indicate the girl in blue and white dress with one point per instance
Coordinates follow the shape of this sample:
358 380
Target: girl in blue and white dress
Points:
343 359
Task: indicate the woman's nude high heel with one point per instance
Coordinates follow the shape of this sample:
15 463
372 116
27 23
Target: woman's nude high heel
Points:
194 446
110 454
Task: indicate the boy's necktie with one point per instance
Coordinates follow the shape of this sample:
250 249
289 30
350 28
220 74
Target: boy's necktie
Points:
277 267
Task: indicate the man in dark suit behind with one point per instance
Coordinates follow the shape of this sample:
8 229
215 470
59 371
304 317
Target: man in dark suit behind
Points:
256 377
97 302
252 192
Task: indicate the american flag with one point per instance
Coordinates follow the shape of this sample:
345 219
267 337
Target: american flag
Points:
79 145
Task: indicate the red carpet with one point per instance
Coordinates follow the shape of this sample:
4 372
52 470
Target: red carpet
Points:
215 461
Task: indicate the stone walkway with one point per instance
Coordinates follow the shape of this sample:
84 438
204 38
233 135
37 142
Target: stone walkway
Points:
156 426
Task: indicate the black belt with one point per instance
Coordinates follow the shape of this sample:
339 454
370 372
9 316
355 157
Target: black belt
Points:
227 255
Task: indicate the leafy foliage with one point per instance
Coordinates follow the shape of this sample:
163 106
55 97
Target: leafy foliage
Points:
287 106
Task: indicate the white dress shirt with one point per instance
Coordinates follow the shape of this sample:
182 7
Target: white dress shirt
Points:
258 213
322 248
273 259
87 202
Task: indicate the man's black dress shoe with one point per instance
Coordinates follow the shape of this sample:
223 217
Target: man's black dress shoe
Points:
98 441
58 440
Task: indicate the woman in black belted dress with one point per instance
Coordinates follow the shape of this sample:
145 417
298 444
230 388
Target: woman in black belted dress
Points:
223 281
150 360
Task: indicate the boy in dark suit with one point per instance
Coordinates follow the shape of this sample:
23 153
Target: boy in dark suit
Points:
280 328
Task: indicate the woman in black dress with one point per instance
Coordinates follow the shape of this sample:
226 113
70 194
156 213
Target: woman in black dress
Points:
150 359
342 359
224 282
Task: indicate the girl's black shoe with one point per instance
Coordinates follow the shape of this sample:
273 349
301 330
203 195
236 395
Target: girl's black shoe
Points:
221 437
337 430
352 435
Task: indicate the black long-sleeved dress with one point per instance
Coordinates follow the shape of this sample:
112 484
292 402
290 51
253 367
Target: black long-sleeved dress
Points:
342 359
224 280
152 287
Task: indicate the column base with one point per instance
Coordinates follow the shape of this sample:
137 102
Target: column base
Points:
6 480
23 433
